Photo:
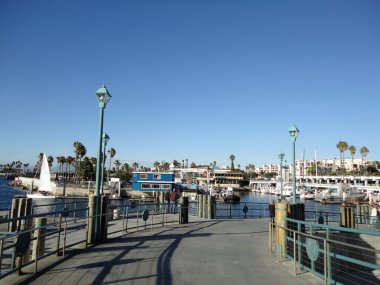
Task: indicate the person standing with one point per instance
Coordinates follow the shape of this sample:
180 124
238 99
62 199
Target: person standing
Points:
173 200
373 219
167 199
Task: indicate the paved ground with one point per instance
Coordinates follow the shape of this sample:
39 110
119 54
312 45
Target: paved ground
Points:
201 252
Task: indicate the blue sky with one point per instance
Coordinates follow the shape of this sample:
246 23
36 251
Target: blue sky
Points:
190 79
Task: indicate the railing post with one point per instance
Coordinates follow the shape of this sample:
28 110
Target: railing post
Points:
325 261
137 219
59 234
75 210
211 207
294 252
37 250
104 218
39 244
152 213
270 237
328 257
1 253
123 222
87 228
200 206
184 217
91 219
299 246
64 238
204 207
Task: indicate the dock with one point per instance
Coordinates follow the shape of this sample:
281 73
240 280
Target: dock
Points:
200 252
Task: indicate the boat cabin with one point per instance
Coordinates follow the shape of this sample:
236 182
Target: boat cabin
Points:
152 181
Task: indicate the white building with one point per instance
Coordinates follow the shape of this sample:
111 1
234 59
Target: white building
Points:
212 177
325 166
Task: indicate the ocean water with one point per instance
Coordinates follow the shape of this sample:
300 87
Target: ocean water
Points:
7 193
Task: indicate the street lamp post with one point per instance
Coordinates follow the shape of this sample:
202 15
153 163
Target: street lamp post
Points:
103 96
281 156
106 139
293 132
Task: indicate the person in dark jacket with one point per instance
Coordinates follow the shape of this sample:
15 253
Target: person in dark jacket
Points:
167 199
173 201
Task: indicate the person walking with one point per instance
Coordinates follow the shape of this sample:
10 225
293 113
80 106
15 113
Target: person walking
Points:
173 201
167 199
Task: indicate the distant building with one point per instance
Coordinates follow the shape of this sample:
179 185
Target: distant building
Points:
208 176
268 168
326 166
152 181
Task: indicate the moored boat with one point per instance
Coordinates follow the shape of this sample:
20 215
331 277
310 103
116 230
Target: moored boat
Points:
229 196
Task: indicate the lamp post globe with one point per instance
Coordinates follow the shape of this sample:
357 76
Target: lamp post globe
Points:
293 132
281 157
103 97
105 139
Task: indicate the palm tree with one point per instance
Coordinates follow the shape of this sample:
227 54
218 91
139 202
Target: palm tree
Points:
50 160
80 151
112 153
156 164
165 166
117 165
37 168
176 163
69 161
126 167
352 150
93 161
232 158
342 146
60 160
25 166
363 152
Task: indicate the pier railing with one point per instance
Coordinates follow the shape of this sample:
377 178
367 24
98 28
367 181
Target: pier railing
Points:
335 254
244 210
25 240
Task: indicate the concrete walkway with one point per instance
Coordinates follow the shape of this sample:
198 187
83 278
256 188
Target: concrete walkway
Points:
200 252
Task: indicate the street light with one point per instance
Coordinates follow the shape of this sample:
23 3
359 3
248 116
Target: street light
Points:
281 156
103 96
293 132
106 139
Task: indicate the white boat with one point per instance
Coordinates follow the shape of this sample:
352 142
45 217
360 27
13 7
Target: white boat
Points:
338 194
44 187
288 190
305 195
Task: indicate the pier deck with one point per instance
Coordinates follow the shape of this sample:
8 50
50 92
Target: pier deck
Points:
200 252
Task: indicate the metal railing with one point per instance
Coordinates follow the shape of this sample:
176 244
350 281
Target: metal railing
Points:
67 227
54 233
337 255
243 210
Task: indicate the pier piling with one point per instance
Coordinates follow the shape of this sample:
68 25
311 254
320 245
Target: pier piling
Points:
39 233
91 220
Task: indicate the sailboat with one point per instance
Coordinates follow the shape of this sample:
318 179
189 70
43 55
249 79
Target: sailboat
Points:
44 187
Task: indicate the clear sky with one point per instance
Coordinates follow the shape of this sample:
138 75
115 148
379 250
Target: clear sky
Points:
196 79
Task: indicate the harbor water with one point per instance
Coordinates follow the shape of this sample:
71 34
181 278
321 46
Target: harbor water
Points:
246 198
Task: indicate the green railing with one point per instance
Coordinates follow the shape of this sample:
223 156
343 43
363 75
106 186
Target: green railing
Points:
336 254
67 228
